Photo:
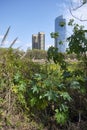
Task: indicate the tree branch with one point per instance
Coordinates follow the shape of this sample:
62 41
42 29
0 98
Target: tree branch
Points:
76 8
82 20
82 3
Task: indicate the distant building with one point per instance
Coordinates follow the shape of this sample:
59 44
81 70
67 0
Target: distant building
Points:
60 27
41 40
38 41
35 41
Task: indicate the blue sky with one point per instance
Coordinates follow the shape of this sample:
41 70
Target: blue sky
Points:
27 17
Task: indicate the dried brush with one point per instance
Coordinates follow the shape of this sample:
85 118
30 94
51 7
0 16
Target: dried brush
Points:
5 36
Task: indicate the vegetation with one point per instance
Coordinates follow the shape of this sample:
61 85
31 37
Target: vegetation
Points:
47 96
36 54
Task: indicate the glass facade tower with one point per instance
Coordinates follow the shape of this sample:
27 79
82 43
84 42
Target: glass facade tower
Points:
59 22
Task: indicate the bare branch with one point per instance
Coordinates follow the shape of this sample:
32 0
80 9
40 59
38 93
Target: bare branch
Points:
82 20
76 7
82 3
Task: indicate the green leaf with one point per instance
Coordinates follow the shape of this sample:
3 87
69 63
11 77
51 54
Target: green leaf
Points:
75 85
22 87
70 23
33 101
61 86
37 77
63 108
48 95
51 95
17 77
35 89
54 34
61 117
65 96
60 42
62 24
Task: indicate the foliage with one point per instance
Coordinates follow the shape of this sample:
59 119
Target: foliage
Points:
15 74
54 34
78 40
57 57
36 54
62 24
54 93
60 116
47 92
78 43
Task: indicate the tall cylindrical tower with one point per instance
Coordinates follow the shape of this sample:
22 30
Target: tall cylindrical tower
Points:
59 21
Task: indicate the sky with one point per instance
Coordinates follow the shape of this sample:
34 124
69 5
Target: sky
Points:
27 17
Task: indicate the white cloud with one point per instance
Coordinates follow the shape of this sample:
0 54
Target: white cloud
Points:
18 41
48 45
76 1
1 36
25 46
